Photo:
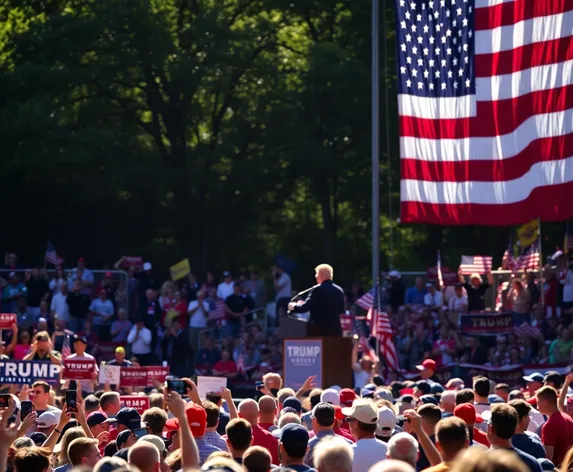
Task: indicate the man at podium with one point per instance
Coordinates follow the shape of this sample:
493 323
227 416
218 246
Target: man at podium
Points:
325 303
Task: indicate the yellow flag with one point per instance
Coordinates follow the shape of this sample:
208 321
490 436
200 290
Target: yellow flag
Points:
180 270
528 233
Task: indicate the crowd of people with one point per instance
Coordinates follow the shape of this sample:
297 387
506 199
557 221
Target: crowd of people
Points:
400 427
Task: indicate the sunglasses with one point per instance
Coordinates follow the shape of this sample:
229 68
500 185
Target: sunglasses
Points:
350 419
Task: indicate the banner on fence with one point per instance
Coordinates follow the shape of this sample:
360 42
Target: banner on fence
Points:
492 324
156 374
7 320
140 403
131 261
449 276
133 377
28 372
76 369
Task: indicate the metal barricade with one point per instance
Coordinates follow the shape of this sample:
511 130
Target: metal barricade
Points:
118 277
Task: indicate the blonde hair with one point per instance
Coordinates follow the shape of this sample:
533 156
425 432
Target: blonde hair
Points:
325 269
333 455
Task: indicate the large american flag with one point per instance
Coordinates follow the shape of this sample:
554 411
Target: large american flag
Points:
475 264
485 98
529 259
382 329
366 301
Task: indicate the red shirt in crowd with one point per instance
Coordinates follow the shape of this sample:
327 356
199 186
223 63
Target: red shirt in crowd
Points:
261 437
266 426
480 437
225 367
557 432
344 434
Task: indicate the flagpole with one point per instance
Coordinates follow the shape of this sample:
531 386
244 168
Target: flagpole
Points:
375 143
540 260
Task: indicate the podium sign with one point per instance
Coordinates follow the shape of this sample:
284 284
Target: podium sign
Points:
302 358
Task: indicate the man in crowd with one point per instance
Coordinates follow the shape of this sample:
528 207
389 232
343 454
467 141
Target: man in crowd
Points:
451 438
239 438
293 444
249 410
323 422
523 439
557 431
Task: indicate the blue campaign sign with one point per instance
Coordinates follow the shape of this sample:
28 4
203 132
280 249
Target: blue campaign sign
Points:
302 358
28 372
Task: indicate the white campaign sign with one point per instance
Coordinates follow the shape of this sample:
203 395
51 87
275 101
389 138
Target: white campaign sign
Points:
109 374
206 385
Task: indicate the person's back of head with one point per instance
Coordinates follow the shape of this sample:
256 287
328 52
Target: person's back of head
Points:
289 418
466 395
403 447
91 404
430 414
239 435
249 410
314 397
144 455
285 393
110 464
32 458
333 455
391 465
156 400
173 460
482 387
155 418
546 399
522 407
108 400
257 459
503 421
66 439
222 464
212 411
451 437
267 405
83 451
498 460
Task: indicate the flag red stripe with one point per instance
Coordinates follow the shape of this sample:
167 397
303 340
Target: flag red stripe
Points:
525 57
493 118
550 203
541 150
509 13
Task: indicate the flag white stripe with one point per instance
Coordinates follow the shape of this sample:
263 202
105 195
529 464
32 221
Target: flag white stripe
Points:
497 87
490 3
533 30
495 148
503 192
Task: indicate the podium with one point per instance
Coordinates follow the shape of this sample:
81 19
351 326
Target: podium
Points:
305 354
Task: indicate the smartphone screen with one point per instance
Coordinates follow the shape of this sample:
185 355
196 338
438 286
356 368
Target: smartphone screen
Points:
178 386
139 432
26 407
71 400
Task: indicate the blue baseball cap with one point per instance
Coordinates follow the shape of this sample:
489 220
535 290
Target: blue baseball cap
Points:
292 434
425 399
293 402
130 418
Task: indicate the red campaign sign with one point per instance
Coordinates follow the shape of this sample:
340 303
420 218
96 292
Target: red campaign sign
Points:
449 276
7 320
156 374
346 322
134 401
78 369
133 377
132 261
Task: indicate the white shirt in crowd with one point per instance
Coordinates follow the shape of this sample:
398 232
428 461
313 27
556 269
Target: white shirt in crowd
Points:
368 452
141 345
225 289
60 306
436 299
56 284
361 377
101 308
285 283
458 303
85 385
567 282
199 318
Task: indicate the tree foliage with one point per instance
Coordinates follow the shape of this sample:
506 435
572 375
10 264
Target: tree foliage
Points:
225 131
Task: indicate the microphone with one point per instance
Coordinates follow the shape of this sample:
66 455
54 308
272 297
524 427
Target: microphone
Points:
299 294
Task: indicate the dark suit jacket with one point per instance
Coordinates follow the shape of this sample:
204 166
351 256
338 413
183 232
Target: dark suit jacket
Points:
325 304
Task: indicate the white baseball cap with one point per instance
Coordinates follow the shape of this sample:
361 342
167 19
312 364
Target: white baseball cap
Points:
330 396
48 419
386 422
363 410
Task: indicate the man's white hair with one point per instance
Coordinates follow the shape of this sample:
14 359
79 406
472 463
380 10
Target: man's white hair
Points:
333 455
449 397
403 447
288 418
390 465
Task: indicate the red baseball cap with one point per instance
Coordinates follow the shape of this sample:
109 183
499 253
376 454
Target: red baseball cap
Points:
407 391
347 397
429 364
338 412
196 417
467 412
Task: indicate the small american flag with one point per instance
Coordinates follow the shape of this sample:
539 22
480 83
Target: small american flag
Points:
66 349
51 255
508 261
476 264
529 259
439 271
365 301
382 330
219 312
